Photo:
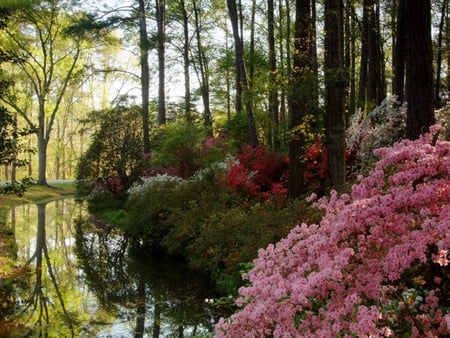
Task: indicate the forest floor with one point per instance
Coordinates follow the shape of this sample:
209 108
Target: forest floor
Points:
9 272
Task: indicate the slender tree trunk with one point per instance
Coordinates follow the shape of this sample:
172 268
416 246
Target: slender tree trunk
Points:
363 69
145 75
161 25
400 48
419 77
437 89
204 74
241 70
186 62
42 145
335 92
274 137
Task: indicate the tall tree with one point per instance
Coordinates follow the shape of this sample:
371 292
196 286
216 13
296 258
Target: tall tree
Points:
419 69
242 82
145 74
202 67
51 62
439 47
335 82
371 85
301 96
399 51
161 28
274 130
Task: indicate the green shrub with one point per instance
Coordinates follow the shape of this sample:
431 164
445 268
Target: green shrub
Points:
179 145
115 152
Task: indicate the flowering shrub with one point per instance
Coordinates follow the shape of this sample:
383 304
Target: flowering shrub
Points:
316 172
376 264
380 128
258 172
149 183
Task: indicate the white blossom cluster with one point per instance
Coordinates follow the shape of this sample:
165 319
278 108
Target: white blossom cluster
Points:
382 127
150 182
212 168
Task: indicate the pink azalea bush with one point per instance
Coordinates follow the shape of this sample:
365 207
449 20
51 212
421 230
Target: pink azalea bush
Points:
375 266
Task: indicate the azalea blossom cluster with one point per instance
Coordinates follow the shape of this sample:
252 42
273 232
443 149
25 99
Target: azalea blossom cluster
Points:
149 182
258 172
379 128
375 266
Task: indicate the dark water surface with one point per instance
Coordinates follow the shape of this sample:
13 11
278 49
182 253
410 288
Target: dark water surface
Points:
85 280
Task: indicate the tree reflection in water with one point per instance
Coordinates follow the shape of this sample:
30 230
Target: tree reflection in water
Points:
85 282
157 291
45 296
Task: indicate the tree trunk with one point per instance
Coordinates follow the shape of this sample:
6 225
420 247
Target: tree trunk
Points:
204 74
240 69
400 47
145 75
419 70
274 137
350 56
301 98
335 92
186 62
161 25
437 89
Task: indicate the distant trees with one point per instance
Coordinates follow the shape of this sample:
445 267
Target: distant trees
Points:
50 63
243 69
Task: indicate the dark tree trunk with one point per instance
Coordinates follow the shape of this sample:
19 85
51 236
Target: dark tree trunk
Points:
437 89
161 26
145 76
335 92
350 55
419 69
274 126
371 82
301 96
400 47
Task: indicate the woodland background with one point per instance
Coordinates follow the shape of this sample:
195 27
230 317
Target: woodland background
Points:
273 73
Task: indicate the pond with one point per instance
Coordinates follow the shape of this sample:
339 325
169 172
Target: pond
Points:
86 279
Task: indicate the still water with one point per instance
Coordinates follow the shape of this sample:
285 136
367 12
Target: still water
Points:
86 280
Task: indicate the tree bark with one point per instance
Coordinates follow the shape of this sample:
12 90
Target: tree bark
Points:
161 27
204 74
419 69
301 96
335 82
437 89
274 126
186 62
400 48
242 77
145 75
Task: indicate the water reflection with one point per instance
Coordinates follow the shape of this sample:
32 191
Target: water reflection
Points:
85 281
